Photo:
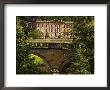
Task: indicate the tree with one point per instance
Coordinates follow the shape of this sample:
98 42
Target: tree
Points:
82 59
36 34
22 48
26 62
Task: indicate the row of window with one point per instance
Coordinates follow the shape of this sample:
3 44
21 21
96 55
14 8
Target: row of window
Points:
38 25
55 30
65 26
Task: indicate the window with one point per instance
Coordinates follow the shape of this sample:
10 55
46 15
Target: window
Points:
46 30
67 26
58 26
55 30
64 30
51 30
59 30
38 25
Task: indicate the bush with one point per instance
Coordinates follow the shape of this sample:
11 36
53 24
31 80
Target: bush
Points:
35 59
36 34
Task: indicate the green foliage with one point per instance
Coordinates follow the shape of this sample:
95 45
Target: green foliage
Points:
56 18
36 34
24 62
22 46
82 60
36 60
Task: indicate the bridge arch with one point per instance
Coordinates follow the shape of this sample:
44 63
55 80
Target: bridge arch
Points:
64 65
45 60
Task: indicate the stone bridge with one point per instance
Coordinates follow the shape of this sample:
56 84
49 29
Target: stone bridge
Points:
53 53
55 58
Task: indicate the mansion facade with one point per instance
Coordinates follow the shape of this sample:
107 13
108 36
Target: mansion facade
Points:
52 29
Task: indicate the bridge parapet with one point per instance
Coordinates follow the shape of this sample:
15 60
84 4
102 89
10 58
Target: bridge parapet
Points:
68 41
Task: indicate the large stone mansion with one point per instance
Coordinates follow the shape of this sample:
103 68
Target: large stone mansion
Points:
52 29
